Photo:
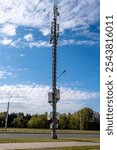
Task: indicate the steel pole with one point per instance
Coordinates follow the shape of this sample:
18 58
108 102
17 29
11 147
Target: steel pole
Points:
6 120
54 53
54 96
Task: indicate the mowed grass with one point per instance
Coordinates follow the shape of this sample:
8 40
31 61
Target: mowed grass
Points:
43 131
28 140
76 148
71 148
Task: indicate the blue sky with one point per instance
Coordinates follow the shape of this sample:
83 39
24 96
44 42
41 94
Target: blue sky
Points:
26 55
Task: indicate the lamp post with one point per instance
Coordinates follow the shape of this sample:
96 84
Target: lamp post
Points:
6 120
61 74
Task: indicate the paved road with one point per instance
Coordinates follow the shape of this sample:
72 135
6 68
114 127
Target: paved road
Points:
14 135
40 145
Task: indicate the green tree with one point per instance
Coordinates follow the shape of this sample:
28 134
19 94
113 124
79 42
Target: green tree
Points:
85 119
2 119
86 115
11 117
63 121
33 122
75 122
96 121
18 121
38 121
27 117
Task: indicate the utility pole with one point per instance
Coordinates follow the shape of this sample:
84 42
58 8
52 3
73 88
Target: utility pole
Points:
80 122
7 113
54 96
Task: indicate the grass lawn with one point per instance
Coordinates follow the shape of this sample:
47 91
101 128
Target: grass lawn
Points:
27 130
72 148
24 140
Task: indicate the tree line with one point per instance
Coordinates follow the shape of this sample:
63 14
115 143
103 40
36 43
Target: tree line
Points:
84 119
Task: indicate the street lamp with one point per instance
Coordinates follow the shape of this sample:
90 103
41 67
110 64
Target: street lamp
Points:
61 74
6 120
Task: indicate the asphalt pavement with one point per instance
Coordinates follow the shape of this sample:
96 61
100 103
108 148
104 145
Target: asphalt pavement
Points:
16 135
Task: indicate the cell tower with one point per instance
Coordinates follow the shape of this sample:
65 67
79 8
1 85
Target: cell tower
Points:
54 96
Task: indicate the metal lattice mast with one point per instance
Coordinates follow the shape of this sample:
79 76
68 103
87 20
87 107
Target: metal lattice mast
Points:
53 100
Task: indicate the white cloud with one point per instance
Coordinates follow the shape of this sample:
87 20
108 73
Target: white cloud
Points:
39 44
28 37
25 12
22 55
74 15
6 41
86 33
8 29
78 13
16 43
39 13
4 74
34 98
20 43
78 42
45 31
